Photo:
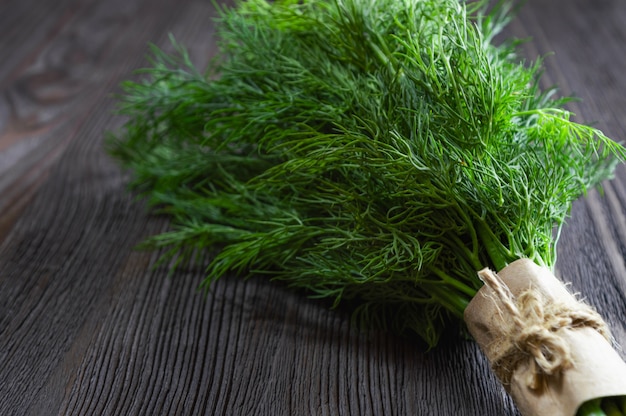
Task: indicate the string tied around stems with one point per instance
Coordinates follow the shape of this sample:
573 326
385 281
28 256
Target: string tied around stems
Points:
532 332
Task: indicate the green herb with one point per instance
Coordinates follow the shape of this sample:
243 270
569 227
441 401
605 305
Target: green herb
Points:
373 152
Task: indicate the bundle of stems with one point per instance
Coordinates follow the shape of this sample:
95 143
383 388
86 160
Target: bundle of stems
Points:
376 153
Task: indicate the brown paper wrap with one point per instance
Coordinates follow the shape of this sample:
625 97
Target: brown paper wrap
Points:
583 362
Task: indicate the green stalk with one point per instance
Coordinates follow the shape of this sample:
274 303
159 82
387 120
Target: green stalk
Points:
606 406
494 248
591 408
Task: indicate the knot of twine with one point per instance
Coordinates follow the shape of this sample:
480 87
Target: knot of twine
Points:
533 333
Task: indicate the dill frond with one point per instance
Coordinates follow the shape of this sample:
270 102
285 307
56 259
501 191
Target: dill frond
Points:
378 152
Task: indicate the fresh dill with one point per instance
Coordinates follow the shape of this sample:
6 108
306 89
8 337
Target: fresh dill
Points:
378 152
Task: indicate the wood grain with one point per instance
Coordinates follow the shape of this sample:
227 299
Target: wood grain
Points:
88 326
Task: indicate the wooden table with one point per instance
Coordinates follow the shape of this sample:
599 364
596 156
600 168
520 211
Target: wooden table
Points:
89 327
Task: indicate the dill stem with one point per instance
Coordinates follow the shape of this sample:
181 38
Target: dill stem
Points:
492 247
591 408
454 303
449 280
470 255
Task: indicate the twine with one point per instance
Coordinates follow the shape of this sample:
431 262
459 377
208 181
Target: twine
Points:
533 332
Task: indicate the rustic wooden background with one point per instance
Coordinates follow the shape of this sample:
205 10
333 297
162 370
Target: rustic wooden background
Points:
88 327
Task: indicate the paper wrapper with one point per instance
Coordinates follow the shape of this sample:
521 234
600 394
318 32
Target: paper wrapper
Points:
596 369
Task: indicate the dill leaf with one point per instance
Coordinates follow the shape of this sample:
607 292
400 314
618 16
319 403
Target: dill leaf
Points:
375 152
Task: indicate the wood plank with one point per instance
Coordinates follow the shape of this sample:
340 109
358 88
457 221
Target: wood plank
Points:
59 256
88 326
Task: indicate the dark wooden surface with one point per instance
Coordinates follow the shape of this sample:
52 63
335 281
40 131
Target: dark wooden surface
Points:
88 327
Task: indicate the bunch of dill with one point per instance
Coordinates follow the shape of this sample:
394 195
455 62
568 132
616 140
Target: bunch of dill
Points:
374 151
